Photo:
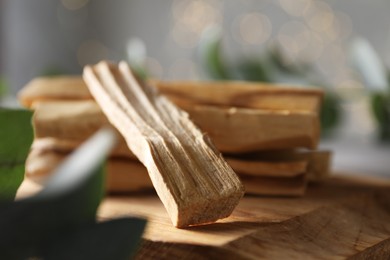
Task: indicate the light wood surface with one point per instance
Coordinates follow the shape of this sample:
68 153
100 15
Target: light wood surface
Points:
194 182
344 218
339 219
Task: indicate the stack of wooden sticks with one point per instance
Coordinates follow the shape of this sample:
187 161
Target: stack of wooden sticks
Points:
267 134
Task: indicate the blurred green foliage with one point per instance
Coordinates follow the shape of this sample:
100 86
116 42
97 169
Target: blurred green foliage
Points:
16 136
376 78
380 105
270 67
3 87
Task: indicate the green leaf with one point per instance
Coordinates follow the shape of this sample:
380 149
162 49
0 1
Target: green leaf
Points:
115 239
330 114
380 105
3 87
252 70
68 202
210 55
16 135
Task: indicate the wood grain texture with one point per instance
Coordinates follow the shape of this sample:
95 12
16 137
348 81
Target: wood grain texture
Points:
234 130
319 161
338 220
242 94
267 169
343 218
54 88
68 123
188 93
122 175
191 178
126 176
275 186
238 130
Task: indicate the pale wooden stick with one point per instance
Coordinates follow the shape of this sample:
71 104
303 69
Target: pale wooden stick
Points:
294 186
238 130
191 178
58 119
69 123
186 93
242 94
54 88
267 169
66 145
123 175
232 130
246 167
319 161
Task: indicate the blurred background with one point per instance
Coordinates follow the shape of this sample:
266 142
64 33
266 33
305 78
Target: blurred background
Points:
341 46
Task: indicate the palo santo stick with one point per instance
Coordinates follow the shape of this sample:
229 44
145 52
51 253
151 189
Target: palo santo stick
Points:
238 130
57 119
65 146
123 175
242 94
295 186
191 178
319 161
69 123
244 167
53 88
267 169
232 130
185 93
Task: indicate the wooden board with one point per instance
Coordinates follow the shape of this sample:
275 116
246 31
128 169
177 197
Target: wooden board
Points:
339 219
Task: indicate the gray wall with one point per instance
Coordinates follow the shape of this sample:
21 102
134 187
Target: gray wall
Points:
42 34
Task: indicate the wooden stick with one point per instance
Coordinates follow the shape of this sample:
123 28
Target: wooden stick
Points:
238 130
242 94
191 178
319 161
232 130
186 93
53 88
124 176
66 145
242 166
267 169
295 186
69 123
58 119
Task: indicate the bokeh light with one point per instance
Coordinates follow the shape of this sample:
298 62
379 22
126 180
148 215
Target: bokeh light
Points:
190 19
254 28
